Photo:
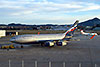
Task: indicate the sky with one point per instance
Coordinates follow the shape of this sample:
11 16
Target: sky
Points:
48 11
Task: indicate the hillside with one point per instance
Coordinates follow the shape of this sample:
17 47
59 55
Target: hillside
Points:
91 22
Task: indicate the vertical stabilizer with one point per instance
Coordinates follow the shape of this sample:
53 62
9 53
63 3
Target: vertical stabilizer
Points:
72 29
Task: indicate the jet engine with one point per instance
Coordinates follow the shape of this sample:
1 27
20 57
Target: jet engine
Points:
61 43
50 44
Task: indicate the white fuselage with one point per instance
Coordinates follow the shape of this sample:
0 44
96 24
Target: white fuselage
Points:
36 37
42 37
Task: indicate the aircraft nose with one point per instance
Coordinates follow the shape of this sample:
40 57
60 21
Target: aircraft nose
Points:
13 39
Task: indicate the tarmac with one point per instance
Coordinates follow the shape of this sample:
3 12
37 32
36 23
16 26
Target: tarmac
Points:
85 52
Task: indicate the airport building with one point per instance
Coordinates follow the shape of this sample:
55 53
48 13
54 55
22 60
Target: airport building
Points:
4 33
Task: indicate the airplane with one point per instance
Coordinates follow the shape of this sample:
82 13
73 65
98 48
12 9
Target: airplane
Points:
45 39
89 34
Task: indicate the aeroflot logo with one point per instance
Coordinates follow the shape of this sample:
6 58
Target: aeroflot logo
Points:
73 29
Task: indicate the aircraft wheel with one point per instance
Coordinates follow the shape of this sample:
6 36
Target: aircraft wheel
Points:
51 46
42 44
1 47
22 46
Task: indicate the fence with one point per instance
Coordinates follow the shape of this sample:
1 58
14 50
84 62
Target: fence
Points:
23 63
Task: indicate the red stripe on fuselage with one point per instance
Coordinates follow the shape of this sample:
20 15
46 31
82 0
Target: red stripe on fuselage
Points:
73 29
69 31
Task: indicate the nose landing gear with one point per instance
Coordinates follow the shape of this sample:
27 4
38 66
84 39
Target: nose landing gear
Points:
22 46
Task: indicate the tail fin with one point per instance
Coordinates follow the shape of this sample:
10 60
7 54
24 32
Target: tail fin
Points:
92 36
72 29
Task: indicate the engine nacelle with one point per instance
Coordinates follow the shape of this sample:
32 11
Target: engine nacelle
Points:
61 43
50 44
